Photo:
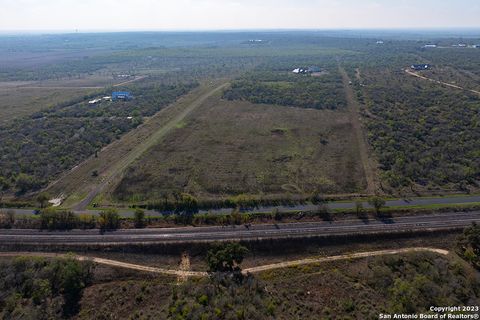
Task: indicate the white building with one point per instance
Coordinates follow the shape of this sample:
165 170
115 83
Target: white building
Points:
95 101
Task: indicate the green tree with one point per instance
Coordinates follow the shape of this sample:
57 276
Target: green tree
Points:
359 210
377 203
41 290
139 218
26 183
324 212
468 245
109 219
359 207
4 186
87 221
277 215
74 278
189 204
42 199
7 218
52 219
226 257
236 217
404 295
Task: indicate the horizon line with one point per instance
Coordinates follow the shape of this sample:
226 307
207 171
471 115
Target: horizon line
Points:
140 30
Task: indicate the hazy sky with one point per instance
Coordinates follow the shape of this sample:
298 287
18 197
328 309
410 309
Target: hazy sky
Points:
87 15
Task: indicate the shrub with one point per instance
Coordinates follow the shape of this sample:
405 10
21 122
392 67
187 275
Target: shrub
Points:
109 220
139 218
7 219
226 257
52 219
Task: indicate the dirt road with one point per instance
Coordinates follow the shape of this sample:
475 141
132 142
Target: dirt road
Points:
122 163
111 263
440 82
182 274
79 187
368 167
129 81
359 255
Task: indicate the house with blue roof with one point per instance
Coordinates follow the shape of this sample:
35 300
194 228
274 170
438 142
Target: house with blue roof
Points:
121 95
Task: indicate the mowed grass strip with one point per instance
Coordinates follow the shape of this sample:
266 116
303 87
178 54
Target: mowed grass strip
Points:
80 183
233 147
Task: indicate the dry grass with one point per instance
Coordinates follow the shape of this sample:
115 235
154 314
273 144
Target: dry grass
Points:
227 148
18 101
21 98
78 184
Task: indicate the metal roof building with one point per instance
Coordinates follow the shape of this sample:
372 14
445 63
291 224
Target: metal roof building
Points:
418 67
121 95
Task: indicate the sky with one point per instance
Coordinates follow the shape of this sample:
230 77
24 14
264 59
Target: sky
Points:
122 15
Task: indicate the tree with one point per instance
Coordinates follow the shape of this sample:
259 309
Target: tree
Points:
42 199
361 214
74 278
7 219
277 215
359 207
324 212
236 217
109 219
87 221
52 219
377 203
26 183
186 206
468 245
139 218
4 186
189 203
226 257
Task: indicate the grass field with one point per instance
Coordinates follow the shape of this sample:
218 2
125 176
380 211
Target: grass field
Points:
79 185
22 98
228 148
17 101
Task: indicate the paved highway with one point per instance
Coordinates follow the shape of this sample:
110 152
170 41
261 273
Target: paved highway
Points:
451 200
189 234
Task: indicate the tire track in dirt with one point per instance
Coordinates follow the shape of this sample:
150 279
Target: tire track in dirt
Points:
359 255
353 106
414 74
78 188
184 274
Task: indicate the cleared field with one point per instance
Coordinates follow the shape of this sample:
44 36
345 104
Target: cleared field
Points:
80 187
17 101
228 148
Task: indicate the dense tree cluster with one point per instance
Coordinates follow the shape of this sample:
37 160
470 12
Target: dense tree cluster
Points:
38 288
468 245
222 298
423 134
37 148
286 89
418 281
148 99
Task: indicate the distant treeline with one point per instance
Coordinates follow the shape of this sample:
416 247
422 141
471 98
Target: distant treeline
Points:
187 203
